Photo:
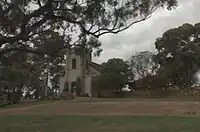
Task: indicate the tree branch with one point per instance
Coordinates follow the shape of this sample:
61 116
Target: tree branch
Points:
115 31
37 24
4 40
24 31
27 50
39 3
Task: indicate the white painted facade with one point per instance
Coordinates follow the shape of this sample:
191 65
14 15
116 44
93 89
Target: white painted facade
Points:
83 65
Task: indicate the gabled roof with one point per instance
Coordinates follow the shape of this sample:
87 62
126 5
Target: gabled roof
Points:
95 66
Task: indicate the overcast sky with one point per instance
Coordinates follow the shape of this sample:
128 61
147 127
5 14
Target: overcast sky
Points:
141 37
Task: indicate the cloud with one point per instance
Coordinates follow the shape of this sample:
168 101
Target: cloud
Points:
141 36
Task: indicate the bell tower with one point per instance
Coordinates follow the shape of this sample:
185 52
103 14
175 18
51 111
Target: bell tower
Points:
77 66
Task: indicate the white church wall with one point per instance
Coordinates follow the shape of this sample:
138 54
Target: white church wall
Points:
88 80
71 73
69 62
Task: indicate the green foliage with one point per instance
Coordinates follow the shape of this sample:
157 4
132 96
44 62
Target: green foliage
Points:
178 53
17 71
91 43
51 43
22 24
115 74
143 64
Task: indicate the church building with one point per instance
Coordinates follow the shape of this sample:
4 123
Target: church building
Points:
79 65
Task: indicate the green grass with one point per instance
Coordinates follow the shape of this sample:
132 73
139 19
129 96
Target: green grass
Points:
64 123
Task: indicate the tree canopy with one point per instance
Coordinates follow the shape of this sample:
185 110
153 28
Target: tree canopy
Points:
143 64
115 74
178 53
23 21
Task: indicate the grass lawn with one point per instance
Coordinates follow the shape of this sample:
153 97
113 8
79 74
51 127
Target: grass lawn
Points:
65 123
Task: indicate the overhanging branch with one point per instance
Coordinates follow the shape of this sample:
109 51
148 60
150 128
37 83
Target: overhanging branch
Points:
27 50
117 30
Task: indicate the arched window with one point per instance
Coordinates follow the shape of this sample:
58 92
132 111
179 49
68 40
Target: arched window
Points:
74 63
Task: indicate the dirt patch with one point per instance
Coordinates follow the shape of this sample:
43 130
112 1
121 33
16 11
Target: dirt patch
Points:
110 108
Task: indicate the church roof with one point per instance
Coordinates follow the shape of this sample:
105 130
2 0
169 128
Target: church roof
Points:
95 66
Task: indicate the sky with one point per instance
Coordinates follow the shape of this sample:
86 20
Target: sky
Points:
141 36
